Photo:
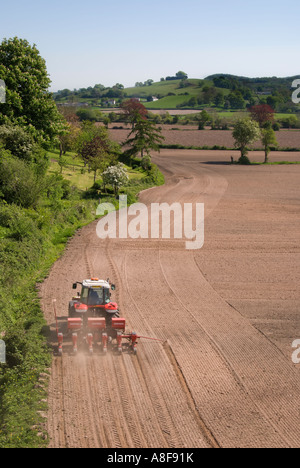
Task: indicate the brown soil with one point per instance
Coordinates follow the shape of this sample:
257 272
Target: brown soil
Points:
227 314
199 138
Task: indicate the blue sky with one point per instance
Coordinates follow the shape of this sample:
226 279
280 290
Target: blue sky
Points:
89 42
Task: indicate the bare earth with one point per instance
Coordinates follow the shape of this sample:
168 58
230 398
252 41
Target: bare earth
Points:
227 314
190 136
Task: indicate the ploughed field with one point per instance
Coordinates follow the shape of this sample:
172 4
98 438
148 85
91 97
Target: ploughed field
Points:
190 136
226 314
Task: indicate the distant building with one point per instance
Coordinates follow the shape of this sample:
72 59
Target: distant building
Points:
110 102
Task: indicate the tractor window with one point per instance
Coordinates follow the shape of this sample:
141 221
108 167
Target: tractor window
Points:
84 295
95 297
106 296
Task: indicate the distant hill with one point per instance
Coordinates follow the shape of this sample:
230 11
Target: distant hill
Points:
259 84
221 92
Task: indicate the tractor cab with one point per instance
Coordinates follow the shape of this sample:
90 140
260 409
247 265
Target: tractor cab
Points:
95 292
94 299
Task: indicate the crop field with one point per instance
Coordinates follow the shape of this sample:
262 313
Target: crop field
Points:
287 139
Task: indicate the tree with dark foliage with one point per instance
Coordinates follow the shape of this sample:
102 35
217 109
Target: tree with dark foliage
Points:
262 113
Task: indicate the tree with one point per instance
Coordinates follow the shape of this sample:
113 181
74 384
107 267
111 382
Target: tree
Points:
148 82
88 131
219 99
115 176
97 154
89 114
209 94
133 110
68 138
29 104
95 147
236 100
262 113
268 139
203 118
192 102
181 75
143 138
273 102
246 131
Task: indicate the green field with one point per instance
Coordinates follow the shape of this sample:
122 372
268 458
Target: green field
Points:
165 87
179 95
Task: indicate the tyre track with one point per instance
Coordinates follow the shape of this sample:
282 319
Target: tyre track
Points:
203 428
137 378
119 437
209 379
223 356
99 434
158 358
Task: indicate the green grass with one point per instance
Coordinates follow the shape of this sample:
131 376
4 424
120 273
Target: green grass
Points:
168 102
279 116
74 171
163 87
79 176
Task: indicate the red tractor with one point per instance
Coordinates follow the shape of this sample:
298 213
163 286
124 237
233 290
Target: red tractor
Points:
95 321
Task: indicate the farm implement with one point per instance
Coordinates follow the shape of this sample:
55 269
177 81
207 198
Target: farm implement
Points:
94 322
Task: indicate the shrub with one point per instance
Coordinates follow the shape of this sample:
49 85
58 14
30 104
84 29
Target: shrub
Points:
21 224
57 188
146 162
244 160
18 181
116 176
16 140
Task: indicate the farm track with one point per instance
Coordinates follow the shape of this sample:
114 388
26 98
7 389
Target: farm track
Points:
216 380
